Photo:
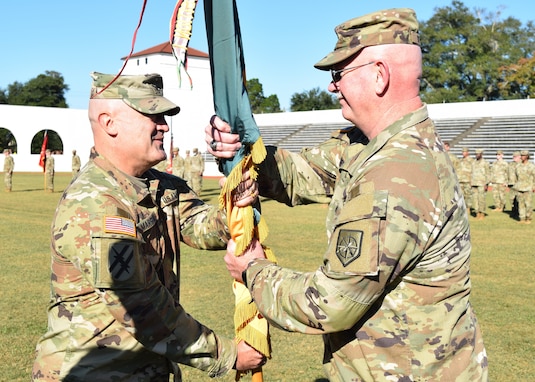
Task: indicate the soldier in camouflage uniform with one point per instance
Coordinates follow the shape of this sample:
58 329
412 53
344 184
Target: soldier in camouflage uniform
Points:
161 166
524 186
178 163
464 173
512 181
9 165
196 171
187 168
499 177
114 313
391 297
480 182
49 171
76 163
453 158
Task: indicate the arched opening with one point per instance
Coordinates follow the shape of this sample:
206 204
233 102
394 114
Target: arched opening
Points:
54 143
7 140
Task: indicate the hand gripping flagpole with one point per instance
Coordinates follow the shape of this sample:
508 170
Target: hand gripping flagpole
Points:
232 104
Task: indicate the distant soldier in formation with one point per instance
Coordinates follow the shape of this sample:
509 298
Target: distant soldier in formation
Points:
453 158
49 171
512 180
76 163
196 170
525 183
464 174
9 165
187 168
161 166
480 182
499 177
178 163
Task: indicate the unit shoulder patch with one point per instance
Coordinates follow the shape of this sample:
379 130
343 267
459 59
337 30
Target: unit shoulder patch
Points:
349 245
121 262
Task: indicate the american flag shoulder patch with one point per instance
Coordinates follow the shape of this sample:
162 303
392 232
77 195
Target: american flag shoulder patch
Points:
120 225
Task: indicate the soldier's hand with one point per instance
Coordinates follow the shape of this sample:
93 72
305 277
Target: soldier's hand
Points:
246 193
237 264
220 142
248 357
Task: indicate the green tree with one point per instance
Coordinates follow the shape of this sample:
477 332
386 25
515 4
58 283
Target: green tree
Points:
3 97
518 80
463 51
314 99
260 103
44 90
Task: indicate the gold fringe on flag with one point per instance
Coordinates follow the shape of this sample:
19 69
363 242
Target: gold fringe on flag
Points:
250 326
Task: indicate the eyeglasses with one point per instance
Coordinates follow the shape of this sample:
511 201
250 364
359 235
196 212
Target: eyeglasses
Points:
337 74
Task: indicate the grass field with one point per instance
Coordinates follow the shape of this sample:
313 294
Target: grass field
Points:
502 273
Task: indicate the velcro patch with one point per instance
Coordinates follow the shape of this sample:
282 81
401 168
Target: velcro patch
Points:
121 262
349 246
119 225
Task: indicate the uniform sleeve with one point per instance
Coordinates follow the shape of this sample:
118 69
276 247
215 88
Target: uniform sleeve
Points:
202 226
104 247
307 177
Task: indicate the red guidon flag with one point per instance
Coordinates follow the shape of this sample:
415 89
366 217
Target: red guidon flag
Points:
42 156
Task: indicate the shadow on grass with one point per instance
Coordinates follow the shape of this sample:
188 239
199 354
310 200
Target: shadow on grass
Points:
30 190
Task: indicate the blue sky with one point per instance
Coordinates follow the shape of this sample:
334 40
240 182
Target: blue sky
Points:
282 38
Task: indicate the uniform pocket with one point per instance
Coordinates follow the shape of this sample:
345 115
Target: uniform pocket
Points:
354 246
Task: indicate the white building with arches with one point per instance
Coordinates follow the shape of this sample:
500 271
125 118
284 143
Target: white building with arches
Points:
72 125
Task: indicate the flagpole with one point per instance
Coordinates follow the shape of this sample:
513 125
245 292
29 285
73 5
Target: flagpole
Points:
42 156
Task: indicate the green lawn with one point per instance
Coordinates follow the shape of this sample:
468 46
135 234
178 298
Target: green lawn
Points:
502 274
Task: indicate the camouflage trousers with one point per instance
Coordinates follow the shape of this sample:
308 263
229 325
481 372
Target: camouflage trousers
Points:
499 192
466 188
49 181
525 205
196 182
8 181
479 202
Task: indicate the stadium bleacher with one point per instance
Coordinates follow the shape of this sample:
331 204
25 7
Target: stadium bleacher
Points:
510 133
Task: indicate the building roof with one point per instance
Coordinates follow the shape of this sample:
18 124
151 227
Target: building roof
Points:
165 47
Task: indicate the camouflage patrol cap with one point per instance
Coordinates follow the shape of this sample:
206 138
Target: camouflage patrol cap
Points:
143 93
390 26
465 149
479 151
499 152
516 153
524 152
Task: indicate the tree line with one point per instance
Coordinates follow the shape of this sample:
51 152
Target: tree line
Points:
468 55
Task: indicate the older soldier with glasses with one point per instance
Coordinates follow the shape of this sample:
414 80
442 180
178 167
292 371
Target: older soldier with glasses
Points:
392 294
